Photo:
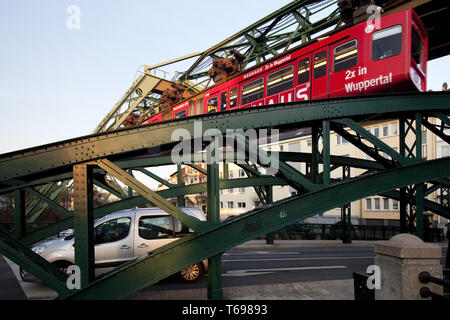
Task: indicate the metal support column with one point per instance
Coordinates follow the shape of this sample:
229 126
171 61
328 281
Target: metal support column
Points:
419 187
346 215
19 213
213 215
269 200
84 222
326 152
180 199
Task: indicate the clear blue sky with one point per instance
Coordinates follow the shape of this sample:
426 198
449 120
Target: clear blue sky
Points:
57 83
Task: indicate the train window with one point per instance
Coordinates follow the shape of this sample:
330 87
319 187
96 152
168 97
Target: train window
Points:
233 98
280 81
223 101
181 114
416 48
320 64
303 71
212 105
346 56
387 43
252 91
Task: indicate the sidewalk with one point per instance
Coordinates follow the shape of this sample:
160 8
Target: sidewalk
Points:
315 244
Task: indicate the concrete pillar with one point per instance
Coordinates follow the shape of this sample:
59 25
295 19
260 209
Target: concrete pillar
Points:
401 260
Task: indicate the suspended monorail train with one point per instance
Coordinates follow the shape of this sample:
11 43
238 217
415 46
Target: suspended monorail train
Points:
384 55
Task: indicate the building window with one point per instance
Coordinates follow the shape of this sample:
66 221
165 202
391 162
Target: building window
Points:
241 173
394 127
376 132
230 204
281 148
242 190
341 140
445 151
230 174
368 204
377 203
230 190
385 203
395 205
385 131
221 205
424 137
242 204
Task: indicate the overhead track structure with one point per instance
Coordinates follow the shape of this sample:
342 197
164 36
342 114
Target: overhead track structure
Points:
298 23
320 189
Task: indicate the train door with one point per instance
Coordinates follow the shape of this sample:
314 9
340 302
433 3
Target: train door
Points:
320 71
280 86
345 67
303 88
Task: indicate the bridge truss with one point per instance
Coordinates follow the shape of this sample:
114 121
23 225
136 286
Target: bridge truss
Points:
402 175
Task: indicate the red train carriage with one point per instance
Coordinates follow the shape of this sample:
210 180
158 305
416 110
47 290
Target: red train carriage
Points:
364 59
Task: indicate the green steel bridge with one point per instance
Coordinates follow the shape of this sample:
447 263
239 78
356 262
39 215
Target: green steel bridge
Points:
46 171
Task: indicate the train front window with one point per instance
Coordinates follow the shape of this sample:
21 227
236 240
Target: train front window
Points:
303 71
320 64
387 43
212 105
280 81
346 56
417 49
252 91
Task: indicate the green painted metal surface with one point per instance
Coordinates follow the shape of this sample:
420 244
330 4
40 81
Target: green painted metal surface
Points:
165 261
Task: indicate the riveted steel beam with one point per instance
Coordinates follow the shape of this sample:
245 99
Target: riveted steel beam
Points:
20 167
31 262
152 196
84 222
143 272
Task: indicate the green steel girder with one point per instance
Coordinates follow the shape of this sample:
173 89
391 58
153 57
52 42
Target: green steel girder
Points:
427 204
150 195
356 140
296 178
21 167
140 200
109 189
166 160
440 132
48 201
155 177
31 262
219 238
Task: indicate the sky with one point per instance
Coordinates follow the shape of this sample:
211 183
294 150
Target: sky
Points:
58 83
